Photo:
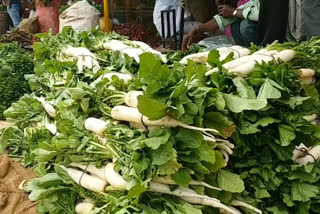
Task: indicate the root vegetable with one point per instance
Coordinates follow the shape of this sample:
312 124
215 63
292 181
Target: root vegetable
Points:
179 192
225 155
248 206
47 107
129 114
285 55
244 69
168 180
92 169
84 207
131 98
307 81
303 155
89 182
114 179
310 118
201 57
51 128
225 148
305 72
95 125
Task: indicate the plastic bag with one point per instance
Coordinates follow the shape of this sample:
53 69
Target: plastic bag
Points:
81 16
215 42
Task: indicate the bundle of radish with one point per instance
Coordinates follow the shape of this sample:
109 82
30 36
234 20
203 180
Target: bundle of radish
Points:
83 56
245 65
202 57
132 48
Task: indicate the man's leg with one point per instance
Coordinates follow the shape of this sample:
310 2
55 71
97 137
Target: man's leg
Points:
236 34
14 13
249 32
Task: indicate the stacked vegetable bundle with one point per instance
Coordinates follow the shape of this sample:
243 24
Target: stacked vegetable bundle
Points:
117 127
14 64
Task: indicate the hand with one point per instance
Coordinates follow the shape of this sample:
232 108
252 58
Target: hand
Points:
187 40
226 11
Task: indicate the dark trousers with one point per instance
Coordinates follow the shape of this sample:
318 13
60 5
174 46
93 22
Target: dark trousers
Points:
244 32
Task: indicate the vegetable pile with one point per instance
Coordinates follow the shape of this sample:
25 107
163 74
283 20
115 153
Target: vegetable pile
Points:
113 126
14 64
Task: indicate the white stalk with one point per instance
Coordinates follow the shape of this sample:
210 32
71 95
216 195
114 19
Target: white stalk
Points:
243 204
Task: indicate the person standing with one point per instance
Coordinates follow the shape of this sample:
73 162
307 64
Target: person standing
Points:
243 21
14 10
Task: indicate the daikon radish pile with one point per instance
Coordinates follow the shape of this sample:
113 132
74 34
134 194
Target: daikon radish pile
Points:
111 125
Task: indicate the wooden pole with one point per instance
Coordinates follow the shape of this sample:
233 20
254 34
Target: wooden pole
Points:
106 16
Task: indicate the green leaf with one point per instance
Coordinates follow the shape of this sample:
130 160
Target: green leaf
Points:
150 108
157 137
287 134
247 128
244 90
219 122
169 168
188 138
182 177
206 153
230 182
237 104
276 210
189 209
303 191
262 193
162 155
219 162
213 59
5 136
269 91
136 190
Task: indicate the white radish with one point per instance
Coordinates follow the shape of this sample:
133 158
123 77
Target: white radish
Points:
285 55
89 182
168 180
114 178
47 107
207 201
201 57
225 155
233 209
306 72
147 48
131 98
307 81
309 156
129 114
225 148
95 125
310 118
115 45
179 192
244 69
92 169
237 203
84 207
51 128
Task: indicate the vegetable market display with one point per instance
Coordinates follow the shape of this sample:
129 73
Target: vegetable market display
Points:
113 126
